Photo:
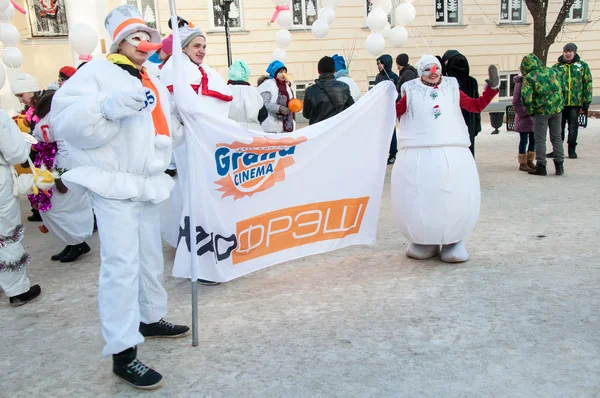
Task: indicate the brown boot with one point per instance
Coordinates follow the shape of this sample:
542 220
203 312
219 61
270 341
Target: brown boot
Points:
531 160
523 163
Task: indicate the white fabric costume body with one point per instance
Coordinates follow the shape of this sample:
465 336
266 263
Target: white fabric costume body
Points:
354 89
273 124
435 185
70 218
172 209
245 106
13 259
122 163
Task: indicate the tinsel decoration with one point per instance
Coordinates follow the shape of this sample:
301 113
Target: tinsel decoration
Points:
15 237
18 265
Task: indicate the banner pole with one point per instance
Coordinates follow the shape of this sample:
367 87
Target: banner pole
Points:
192 216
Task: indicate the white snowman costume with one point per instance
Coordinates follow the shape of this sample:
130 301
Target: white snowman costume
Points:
435 185
103 114
70 218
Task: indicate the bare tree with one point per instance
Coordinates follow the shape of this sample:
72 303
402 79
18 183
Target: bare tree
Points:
542 39
350 52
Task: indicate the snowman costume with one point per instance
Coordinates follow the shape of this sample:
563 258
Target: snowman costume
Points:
116 126
435 185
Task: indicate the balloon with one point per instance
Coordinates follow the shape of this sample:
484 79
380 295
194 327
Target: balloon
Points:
375 44
4 4
386 5
281 2
2 76
83 39
285 19
387 30
327 14
405 13
12 57
320 29
283 38
333 3
9 35
398 36
7 15
376 20
280 55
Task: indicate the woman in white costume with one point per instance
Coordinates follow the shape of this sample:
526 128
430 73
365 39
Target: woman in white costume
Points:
13 259
114 118
67 213
215 97
276 93
247 107
435 185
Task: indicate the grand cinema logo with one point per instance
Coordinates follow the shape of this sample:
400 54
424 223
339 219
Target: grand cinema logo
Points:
250 168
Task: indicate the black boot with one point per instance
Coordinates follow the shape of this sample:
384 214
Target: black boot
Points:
134 372
539 170
75 252
572 153
560 170
95 224
205 282
163 329
60 255
35 217
26 297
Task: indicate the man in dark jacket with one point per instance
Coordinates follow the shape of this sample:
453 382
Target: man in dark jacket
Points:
407 71
327 97
384 64
457 66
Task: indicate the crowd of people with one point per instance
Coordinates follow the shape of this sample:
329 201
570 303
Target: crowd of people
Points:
113 138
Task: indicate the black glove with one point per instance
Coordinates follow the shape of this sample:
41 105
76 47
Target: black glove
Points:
284 110
494 77
585 107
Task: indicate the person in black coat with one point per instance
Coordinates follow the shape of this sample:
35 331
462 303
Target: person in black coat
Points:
457 66
328 96
407 71
384 64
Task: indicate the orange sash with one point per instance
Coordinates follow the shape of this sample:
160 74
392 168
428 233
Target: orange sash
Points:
161 126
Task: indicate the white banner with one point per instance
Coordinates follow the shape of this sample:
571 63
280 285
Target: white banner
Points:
262 199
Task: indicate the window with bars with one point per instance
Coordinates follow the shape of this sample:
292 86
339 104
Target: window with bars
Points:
507 84
47 18
577 11
147 9
300 89
304 12
448 12
512 11
371 5
218 15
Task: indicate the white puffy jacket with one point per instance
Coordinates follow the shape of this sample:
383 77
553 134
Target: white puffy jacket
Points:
270 90
246 104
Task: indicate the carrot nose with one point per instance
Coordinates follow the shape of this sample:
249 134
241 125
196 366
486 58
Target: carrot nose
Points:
433 69
147 47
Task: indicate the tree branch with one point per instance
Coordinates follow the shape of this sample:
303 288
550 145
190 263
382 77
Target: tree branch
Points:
560 19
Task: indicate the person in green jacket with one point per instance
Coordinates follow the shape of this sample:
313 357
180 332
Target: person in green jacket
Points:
577 90
542 96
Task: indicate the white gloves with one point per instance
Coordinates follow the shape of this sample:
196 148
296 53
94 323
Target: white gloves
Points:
122 104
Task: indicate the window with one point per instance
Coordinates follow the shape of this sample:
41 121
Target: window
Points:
448 12
371 82
47 18
218 15
577 11
304 12
512 11
371 5
147 9
300 89
507 84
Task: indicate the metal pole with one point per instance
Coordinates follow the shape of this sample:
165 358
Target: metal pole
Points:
227 5
192 237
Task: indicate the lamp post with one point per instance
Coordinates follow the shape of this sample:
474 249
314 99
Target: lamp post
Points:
226 5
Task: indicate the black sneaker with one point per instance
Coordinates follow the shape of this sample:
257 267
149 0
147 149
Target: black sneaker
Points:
539 171
60 255
133 371
26 297
163 329
76 252
550 155
205 282
392 159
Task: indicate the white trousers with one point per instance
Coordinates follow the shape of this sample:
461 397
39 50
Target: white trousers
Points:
131 270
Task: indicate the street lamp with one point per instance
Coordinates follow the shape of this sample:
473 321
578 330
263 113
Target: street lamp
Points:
226 6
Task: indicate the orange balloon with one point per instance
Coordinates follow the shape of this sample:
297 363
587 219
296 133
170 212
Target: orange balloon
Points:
295 105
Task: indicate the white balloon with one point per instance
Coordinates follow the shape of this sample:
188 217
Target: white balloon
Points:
386 5
375 44
405 13
8 14
376 20
281 2
387 30
12 57
280 55
4 4
83 39
285 19
398 36
2 76
327 14
283 38
320 29
9 35
333 3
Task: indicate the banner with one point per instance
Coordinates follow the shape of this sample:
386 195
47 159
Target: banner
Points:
262 199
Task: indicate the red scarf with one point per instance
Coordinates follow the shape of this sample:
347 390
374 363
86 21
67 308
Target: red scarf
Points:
205 90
